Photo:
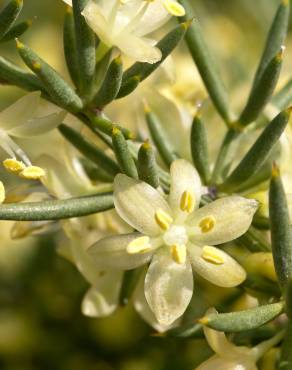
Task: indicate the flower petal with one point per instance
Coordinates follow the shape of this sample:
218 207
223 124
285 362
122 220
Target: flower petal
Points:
221 363
231 218
226 274
111 252
103 298
184 178
136 202
143 309
38 126
168 287
140 49
19 112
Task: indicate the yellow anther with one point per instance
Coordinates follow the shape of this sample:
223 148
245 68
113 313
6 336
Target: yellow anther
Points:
210 254
139 245
163 219
187 202
2 192
179 253
32 173
207 224
13 165
174 8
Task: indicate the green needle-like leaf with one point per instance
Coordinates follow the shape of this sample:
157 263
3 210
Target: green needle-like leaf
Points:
95 173
147 166
286 354
199 148
111 84
262 91
243 320
106 126
130 85
85 43
166 45
56 209
275 39
206 65
70 47
283 98
16 31
55 85
281 234
89 150
258 153
14 75
9 15
159 137
123 155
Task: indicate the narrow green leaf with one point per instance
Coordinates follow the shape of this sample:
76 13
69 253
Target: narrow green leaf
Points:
123 155
206 65
85 42
224 154
16 31
283 98
281 234
258 153
106 126
89 150
243 320
285 362
129 86
14 75
130 281
111 84
166 45
101 69
147 166
56 209
159 137
275 39
95 173
70 47
9 15
254 241
262 286
262 91
199 148
58 89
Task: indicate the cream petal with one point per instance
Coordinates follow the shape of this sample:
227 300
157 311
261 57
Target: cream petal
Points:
68 2
38 126
20 112
184 178
136 202
227 274
103 298
220 363
143 309
139 49
110 252
168 287
232 217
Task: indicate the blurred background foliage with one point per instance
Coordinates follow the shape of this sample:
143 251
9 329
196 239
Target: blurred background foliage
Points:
41 326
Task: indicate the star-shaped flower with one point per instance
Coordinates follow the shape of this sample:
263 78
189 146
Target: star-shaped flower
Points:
176 237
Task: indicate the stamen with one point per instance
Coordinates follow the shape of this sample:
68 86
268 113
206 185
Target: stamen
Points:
13 165
32 173
210 254
163 219
2 192
179 253
207 224
174 8
187 202
139 245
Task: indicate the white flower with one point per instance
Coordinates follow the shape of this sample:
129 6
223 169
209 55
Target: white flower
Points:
175 236
124 24
24 119
230 357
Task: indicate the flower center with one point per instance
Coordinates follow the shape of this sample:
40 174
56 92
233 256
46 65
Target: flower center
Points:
175 235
